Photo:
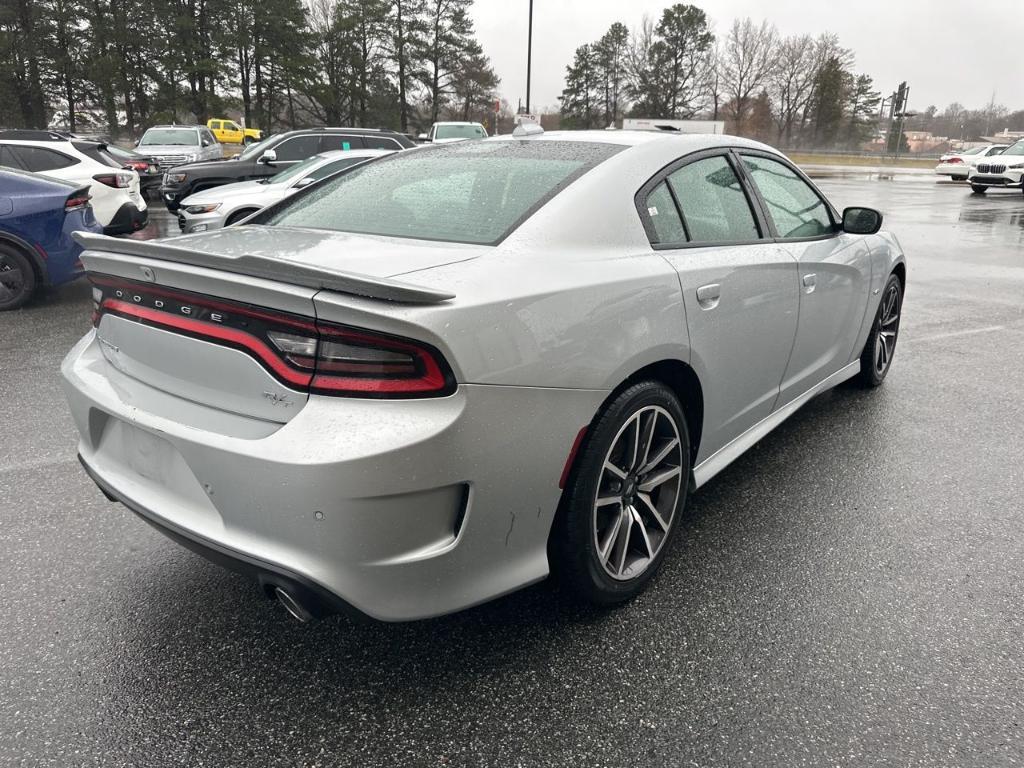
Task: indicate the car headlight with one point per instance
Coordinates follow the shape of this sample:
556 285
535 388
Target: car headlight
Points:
208 208
174 178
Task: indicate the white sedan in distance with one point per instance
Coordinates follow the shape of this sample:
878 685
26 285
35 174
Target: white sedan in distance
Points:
957 165
225 205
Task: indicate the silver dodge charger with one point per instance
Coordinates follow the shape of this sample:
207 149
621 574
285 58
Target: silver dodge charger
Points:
442 376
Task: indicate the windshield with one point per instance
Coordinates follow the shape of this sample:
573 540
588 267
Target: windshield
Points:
1016 149
183 137
296 170
467 192
254 150
460 132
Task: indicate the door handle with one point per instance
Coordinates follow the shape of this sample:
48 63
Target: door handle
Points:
708 295
810 281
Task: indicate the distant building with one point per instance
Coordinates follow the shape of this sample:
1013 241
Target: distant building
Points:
1005 137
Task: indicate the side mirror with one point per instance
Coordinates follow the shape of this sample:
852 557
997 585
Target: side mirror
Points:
304 182
269 157
861 221
137 142
423 137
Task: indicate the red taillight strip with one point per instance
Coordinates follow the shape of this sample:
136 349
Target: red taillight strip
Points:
261 351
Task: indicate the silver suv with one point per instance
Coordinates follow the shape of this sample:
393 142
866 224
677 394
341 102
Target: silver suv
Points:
173 145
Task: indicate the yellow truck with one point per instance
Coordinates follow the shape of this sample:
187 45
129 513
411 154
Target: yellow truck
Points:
230 132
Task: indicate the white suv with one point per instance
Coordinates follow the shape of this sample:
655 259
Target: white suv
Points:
116 201
1005 170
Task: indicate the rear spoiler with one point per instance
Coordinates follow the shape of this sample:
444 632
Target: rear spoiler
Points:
294 273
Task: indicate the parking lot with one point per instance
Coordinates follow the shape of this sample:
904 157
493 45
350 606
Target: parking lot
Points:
846 593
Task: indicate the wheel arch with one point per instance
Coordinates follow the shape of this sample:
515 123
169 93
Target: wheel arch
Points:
38 266
900 270
239 214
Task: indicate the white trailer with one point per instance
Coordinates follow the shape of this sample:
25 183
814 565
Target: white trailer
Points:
673 126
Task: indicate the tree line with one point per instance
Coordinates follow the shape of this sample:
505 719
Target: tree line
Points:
118 66
793 91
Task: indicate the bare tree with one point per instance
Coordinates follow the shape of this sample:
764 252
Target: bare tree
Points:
747 63
792 83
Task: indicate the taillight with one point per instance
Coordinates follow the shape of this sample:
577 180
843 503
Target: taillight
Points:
137 165
310 356
76 202
116 180
954 161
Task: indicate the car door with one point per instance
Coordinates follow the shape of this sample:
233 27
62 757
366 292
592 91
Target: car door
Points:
232 133
834 268
740 289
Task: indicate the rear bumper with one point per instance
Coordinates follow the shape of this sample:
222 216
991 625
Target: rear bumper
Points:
315 597
401 510
129 218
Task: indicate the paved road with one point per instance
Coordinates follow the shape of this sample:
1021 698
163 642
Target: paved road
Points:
849 593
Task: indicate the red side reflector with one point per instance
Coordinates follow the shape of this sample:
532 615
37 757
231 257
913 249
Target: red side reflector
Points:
571 458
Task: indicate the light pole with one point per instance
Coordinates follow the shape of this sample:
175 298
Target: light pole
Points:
529 56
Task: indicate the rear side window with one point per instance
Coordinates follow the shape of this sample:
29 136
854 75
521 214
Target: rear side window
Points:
715 207
216 125
330 142
794 206
41 160
661 209
380 142
7 160
469 192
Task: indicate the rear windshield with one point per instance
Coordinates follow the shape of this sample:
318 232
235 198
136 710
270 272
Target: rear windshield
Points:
170 136
468 192
460 132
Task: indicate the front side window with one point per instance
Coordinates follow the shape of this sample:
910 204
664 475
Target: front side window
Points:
794 206
183 137
7 160
469 192
715 207
328 169
39 160
297 148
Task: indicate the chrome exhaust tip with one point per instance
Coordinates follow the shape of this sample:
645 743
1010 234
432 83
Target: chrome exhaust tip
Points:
296 609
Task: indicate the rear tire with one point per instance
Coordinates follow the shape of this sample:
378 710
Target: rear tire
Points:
622 504
876 359
17 278
978 189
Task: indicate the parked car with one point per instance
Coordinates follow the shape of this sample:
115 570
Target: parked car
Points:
148 168
1004 172
37 216
271 156
230 132
222 206
445 133
116 197
174 145
958 164
416 386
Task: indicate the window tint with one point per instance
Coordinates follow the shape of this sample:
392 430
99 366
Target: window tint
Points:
470 192
297 148
380 142
664 216
335 141
793 205
714 205
40 160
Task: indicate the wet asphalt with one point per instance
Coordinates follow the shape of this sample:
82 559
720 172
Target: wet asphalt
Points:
848 593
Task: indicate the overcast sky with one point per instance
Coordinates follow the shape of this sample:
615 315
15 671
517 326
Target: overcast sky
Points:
947 50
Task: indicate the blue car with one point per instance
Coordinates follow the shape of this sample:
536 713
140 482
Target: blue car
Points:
37 216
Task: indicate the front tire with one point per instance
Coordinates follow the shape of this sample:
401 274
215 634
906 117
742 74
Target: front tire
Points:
625 495
876 359
17 278
978 189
